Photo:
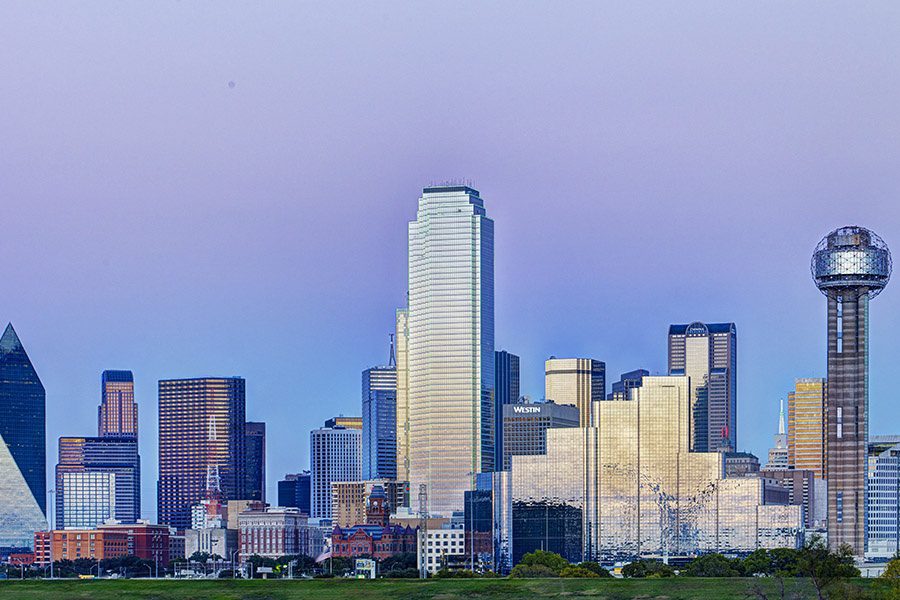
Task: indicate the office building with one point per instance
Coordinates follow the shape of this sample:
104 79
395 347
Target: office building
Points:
631 487
255 452
73 544
741 464
439 548
506 391
210 540
294 490
779 454
807 410
802 491
113 464
144 540
276 532
201 444
23 462
525 427
350 500
402 425
883 486
707 353
627 381
576 381
379 419
372 541
335 454
451 345
488 523
117 415
345 422
850 266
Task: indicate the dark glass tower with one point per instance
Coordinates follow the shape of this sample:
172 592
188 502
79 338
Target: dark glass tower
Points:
256 461
506 391
23 461
851 265
379 419
117 415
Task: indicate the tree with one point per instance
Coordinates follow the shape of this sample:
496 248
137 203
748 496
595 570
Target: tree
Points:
551 560
647 568
714 565
824 568
595 568
402 561
577 572
523 571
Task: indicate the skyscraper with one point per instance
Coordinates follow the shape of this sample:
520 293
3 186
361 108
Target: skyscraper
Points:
118 412
707 353
451 345
850 266
23 462
379 416
525 427
201 444
779 454
506 391
294 490
335 454
576 381
627 381
806 431
110 462
402 394
255 472
883 483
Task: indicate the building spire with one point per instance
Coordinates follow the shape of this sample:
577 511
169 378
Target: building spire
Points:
392 360
781 417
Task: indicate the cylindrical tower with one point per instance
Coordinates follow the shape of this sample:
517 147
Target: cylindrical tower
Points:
851 265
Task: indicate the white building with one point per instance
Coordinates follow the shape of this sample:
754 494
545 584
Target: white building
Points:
277 531
450 345
335 454
436 545
89 498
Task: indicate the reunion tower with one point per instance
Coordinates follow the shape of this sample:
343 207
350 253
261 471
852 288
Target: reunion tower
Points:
851 265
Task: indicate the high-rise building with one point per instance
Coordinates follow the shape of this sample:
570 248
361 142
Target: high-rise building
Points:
627 381
276 532
451 345
88 462
294 490
488 522
117 415
576 381
506 391
335 454
802 491
345 422
255 452
525 427
379 417
806 433
631 487
23 461
883 498
350 499
850 266
402 424
201 444
707 353
779 455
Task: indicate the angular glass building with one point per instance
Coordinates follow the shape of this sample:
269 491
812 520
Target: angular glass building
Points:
23 461
451 345
379 416
506 391
631 487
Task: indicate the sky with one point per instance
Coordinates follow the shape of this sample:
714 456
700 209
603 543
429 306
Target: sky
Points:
214 188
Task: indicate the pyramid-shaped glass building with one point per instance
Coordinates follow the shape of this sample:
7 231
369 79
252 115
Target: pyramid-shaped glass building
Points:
23 463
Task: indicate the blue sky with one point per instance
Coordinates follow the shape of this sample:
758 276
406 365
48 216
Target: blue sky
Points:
644 164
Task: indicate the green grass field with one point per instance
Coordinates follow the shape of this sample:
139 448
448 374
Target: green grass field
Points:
520 589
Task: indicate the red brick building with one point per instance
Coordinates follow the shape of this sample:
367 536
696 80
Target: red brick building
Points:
372 540
72 544
146 541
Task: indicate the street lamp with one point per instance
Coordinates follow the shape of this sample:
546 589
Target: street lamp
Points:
233 552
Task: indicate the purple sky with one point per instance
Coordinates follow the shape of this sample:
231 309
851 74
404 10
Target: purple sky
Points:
644 164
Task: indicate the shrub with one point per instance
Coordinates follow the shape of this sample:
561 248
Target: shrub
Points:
529 571
577 572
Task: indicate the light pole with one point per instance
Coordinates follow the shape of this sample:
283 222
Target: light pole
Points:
51 494
233 552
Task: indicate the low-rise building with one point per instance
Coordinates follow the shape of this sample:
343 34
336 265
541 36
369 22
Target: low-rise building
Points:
93 544
217 541
275 532
144 540
374 541
439 548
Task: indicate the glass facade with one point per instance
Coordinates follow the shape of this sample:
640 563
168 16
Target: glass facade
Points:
23 461
89 498
201 444
379 415
488 523
294 490
525 427
402 405
255 471
506 391
576 381
335 454
118 412
806 426
883 497
707 353
116 456
633 488
451 345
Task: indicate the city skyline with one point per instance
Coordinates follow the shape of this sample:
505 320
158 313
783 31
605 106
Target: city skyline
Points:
302 251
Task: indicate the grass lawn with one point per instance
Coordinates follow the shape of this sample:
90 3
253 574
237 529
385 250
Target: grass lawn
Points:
519 589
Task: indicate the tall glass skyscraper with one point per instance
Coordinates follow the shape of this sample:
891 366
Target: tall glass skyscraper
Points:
451 345
118 412
506 391
201 444
806 431
255 453
402 424
379 415
23 461
707 353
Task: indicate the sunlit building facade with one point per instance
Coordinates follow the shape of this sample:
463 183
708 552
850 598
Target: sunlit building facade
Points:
883 497
201 444
402 408
89 498
576 381
451 345
335 454
707 353
117 415
525 427
631 487
806 436
23 460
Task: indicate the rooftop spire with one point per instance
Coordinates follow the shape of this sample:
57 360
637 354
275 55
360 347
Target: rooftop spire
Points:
392 360
781 417
10 341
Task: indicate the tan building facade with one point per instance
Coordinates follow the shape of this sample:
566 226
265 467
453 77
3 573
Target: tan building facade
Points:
807 410
575 381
